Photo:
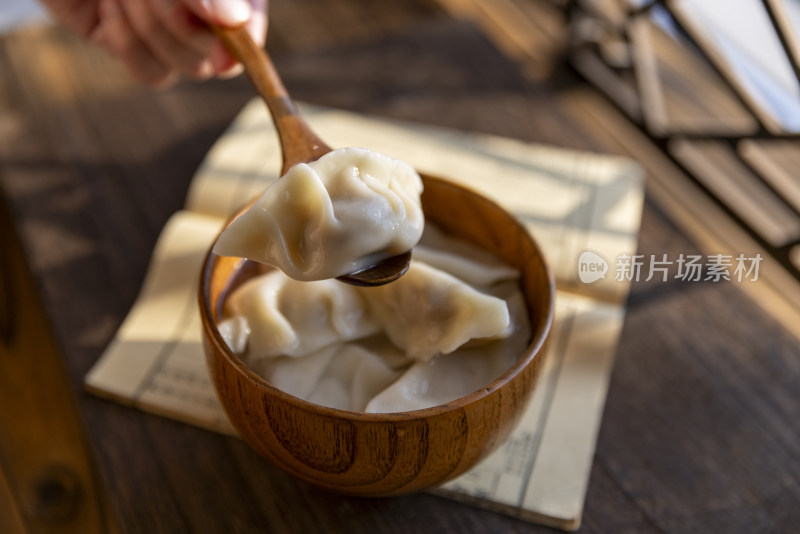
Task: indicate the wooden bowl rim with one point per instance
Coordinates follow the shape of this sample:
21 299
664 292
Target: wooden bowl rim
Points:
533 349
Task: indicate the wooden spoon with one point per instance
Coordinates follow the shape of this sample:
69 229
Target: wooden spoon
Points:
299 144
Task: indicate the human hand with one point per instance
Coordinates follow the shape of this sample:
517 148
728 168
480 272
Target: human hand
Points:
161 40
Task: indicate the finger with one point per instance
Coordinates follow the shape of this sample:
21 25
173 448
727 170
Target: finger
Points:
79 15
224 64
161 42
116 35
184 25
229 13
257 25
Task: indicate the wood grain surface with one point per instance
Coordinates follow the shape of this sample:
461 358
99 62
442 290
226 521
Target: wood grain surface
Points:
700 431
48 481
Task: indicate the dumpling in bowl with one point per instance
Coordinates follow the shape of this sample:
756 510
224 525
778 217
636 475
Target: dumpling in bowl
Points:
454 375
336 215
428 312
343 376
285 317
465 261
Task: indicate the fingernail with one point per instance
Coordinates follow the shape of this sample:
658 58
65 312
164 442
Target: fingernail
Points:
232 72
229 12
205 70
257 27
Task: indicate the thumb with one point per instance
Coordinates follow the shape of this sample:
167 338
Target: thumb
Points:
230 13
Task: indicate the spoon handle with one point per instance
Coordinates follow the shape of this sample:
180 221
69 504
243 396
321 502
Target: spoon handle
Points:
299 144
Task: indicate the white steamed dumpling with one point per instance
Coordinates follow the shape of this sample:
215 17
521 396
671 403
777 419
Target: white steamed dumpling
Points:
297 318
454 375
428 312
463 260
344 376
333 216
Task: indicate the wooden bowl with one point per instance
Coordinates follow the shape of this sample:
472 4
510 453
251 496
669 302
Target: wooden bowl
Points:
388 454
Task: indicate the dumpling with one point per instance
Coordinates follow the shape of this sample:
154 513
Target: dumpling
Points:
291 318
235 331
428 312
463 260
451 376
343 376
334 216
353 377
296 376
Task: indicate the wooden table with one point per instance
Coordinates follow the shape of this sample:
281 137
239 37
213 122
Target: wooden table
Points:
700 432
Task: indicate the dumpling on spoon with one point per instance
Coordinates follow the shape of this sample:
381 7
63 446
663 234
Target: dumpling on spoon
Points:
337 215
